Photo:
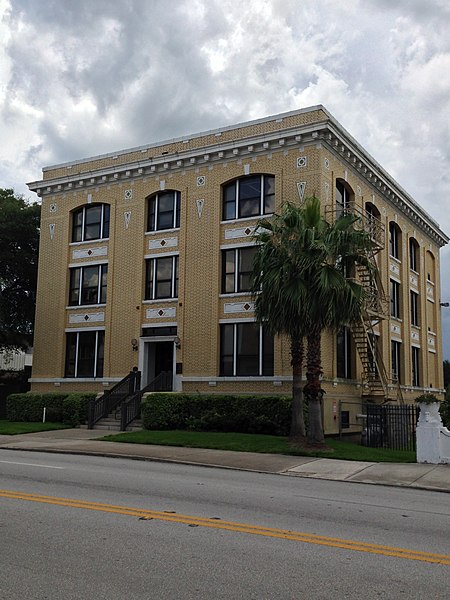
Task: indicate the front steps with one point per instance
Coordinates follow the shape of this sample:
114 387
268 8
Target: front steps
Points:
111 423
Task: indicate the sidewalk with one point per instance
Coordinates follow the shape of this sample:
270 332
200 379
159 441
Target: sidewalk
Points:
84 441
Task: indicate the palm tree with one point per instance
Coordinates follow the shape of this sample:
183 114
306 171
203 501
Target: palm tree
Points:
281 293
302 289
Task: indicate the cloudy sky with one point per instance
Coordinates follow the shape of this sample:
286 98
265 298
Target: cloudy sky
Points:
84 77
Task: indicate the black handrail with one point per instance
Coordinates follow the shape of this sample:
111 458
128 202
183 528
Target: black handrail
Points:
131 407
102 406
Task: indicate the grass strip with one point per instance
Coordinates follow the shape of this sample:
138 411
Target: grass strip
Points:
18 427
270 444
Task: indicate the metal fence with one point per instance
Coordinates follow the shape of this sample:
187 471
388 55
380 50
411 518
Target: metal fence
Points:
390 426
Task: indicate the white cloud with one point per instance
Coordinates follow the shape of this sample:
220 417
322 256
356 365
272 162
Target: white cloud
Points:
83 78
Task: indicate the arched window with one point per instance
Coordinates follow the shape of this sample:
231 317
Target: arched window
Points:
413 255
163 211
249 196
344 196
90 222
395 240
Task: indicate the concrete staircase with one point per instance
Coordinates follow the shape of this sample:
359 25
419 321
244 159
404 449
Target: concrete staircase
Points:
112 423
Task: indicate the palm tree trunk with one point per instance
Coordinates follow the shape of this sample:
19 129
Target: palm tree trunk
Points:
297 418
313 389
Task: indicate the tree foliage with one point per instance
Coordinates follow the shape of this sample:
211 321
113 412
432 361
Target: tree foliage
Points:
302 288
19 242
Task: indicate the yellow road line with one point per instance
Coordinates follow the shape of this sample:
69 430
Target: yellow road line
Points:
232 526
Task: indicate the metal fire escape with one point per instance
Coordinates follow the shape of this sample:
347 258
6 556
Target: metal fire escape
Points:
377 386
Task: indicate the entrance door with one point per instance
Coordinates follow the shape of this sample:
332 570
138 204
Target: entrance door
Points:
160 360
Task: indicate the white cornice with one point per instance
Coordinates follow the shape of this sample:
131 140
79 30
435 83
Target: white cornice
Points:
328 132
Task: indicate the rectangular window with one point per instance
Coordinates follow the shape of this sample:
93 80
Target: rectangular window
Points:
246 349
164 211
249 197
84 354
395 360
161 278
395 299
237 269
344 353
415 364
88 285
414 308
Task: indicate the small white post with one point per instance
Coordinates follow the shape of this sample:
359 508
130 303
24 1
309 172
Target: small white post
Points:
43 415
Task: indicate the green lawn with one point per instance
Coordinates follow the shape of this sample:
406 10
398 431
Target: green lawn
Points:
16 427
245 442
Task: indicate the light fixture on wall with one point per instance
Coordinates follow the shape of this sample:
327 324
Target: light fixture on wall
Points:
134 344
444 304
177 342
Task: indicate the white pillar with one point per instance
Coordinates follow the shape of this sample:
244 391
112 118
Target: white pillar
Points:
428 434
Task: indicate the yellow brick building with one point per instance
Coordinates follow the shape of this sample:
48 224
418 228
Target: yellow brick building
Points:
145 257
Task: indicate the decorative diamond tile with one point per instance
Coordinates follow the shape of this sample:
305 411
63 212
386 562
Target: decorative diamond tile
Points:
89 252
86 317
246 306
163 242
160 312
247 231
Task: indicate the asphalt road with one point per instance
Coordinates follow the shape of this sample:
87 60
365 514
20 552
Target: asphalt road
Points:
80 527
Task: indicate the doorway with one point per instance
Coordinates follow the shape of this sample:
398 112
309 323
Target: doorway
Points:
159 357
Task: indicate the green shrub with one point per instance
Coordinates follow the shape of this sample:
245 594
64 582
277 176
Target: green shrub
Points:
75 408
196 412
68 408
30 407
427 399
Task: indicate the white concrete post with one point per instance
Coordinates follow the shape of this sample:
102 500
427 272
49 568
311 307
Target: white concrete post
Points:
431 436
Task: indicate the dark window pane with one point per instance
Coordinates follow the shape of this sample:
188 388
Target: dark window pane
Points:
86 354
89 289
74 291
104 271
247 351
106 211
77 226
245 279
149 279
163 277
151 222
165 218
229 202
100 353
71 347
226 349
92 226
228 268
249 197
269 194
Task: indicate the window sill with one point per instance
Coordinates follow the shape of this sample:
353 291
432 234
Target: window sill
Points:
85 242
246 219
84 306
163 231
160 300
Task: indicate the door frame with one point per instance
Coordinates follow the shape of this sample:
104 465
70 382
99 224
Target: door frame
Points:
144 351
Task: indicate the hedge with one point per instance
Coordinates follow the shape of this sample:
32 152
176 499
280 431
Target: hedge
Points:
68 408
198 412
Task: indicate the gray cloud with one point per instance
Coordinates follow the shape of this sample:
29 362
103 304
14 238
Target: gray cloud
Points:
83 78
